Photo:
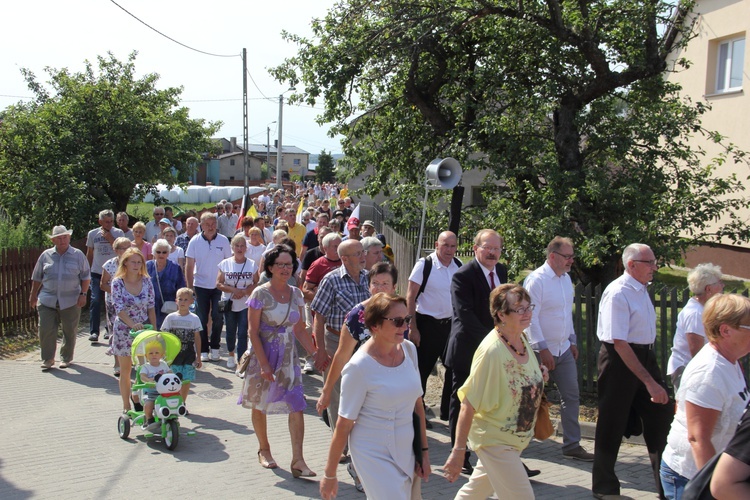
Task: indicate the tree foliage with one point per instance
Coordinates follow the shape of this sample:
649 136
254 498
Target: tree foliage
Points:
564 102
325 172
88 139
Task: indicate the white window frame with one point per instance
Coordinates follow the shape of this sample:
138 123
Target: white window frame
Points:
725 65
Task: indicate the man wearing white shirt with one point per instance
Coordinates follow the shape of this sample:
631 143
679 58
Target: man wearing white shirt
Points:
204 253
630 386
553 339
429 304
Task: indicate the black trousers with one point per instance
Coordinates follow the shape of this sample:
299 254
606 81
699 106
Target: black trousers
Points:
622 399
434 337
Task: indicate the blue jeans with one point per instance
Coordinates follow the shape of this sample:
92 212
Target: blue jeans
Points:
207 300
236 330
672 483
95 306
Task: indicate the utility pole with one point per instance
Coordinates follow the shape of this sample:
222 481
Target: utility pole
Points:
268 144
245 144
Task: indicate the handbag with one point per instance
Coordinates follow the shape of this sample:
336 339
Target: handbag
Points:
168 306
244 361
699 488
543 427
416 445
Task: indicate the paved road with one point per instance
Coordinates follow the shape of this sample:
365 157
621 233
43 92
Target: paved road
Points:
58 439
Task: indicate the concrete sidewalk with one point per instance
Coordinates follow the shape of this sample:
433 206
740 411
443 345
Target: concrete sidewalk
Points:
59 439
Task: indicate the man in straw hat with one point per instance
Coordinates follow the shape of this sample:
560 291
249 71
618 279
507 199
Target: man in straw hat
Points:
59 284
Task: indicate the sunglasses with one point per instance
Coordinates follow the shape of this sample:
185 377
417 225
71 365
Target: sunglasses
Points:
159 252
399 322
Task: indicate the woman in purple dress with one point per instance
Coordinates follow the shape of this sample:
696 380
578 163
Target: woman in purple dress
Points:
273 379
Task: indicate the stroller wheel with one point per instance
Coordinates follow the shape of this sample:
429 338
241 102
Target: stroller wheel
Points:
172 436
123 426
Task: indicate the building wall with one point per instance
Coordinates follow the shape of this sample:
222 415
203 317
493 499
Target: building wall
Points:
718 21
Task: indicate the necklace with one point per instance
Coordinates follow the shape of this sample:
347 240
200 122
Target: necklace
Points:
281 295
512 348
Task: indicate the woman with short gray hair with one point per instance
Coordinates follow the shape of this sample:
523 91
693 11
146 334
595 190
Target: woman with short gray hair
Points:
167 278
704 282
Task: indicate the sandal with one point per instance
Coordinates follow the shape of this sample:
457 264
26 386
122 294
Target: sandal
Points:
303 472
266 464
353 473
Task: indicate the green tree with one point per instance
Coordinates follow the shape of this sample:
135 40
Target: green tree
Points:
564 102
325 172
92 140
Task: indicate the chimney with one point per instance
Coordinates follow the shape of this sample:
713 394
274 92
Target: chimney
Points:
232 144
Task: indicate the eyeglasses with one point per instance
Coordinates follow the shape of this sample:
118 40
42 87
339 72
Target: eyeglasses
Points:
744 327
284 266
491 249
565 256
399 322
160 252
523 310
649 262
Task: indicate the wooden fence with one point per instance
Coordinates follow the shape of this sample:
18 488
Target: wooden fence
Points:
15 285
16 266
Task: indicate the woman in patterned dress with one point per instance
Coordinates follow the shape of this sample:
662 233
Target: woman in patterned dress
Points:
109 269
133 298
273 379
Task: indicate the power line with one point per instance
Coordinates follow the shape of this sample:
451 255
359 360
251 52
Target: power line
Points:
168 37
256 86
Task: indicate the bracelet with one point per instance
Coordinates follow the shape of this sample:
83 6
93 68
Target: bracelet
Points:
460 449
329 477
425 449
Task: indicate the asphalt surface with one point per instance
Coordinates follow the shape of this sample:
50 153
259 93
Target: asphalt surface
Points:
58 439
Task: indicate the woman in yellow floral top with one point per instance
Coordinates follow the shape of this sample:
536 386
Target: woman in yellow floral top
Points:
499 401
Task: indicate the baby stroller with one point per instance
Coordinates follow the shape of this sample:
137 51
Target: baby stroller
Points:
169 405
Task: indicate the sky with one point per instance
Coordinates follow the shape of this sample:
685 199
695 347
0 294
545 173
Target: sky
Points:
63 34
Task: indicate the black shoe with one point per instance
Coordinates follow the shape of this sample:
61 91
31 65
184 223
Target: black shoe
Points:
467 468
137 406
428 424
94 337
531 472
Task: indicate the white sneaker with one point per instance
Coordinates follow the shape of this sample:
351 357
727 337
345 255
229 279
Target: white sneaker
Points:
215 355
309 367
204 357
231 363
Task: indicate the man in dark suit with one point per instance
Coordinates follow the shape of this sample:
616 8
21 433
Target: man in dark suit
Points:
472 321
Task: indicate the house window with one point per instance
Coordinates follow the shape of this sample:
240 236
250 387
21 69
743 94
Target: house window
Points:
297 162
729 65
477 197
231 162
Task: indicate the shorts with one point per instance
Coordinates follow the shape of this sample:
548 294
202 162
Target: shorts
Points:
149 395
187 372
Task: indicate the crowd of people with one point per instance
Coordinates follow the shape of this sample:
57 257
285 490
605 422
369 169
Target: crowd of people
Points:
298 295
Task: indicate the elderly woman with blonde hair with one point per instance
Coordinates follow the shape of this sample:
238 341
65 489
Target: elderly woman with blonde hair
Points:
712 395
704 282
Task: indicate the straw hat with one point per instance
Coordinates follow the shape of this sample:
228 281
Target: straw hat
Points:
60 231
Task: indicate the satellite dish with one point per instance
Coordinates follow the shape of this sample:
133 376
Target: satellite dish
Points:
443 173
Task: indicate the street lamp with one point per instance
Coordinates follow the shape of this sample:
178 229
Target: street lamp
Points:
268 145
278 147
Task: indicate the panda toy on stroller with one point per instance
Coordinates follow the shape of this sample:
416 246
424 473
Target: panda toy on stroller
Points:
164 390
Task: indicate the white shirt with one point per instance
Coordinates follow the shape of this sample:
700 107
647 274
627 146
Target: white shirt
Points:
690 320
255 253
709 381
152 231
487 275
435 301
175 255
626 313
239 276
552 319
207 255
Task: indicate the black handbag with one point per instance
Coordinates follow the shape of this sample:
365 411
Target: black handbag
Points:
417 443
699 488
225 306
